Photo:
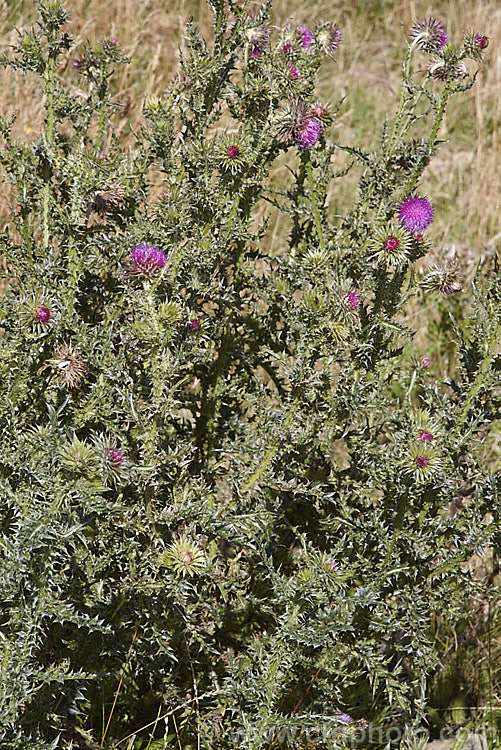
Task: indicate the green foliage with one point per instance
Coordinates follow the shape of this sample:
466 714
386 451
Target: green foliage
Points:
232 504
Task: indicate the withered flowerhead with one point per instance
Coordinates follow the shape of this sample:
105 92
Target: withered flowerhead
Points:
106 202
71 365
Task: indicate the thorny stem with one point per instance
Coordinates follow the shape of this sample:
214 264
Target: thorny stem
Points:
271 452
214 403
478 382
49 133
439 116
406 66
314 205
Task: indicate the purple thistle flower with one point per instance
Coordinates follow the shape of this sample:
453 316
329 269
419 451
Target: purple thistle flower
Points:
194 324
415 213
116 457
482 40
293 72
298 126
233 152
391 244
422 461
333 566
353 300
428 34
306 36
425 361
147 260
425 436
343 718
286 48
308 133
42 314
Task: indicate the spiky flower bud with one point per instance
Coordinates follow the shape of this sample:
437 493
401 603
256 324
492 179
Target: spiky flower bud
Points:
232 153
77 457
184 557
391 246
422 462
474 45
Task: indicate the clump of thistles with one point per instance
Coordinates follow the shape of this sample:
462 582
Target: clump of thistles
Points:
298 126
328 38
415 213
146 260
428 35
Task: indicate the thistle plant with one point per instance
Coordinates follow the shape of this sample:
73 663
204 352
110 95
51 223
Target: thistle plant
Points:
226 483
